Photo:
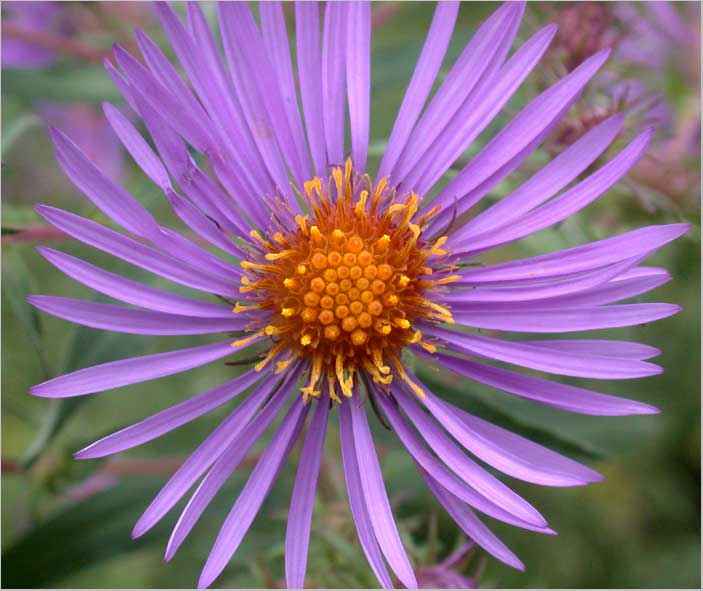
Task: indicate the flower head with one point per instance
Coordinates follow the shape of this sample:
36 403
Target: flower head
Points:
336 276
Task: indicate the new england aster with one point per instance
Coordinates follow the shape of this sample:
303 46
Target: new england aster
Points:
335 278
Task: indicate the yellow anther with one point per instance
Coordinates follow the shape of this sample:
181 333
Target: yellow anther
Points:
317 236
402 323
239 308
360 207
290 283
287 312
403 281
302 223
305 340
301 269
247 340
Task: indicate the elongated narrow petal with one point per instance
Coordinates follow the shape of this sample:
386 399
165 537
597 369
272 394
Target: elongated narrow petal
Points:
562 396
252 496
420 85
307 39
520 294
471 525
377 501
577 259
169 419
130 320
604 348
542 359
443 475
527 130
464 467
509 453
116 374
357 501
358 58
132 292
548 180
567 320
211 449
333 79
565 204
303 498
134 252
447 115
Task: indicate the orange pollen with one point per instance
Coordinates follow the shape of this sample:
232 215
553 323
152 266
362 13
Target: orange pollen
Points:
344 287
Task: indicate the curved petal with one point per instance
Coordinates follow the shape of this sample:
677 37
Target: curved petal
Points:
469 471
443 475
169 419
357 501
135 252
542 359
471 525
374 490
131 292
116 374
562 396
420 85
510 453
254 492
303 498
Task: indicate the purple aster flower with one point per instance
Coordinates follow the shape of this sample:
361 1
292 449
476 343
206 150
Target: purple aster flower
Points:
446 574
335 279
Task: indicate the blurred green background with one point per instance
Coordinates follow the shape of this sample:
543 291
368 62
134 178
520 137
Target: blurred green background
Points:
66 523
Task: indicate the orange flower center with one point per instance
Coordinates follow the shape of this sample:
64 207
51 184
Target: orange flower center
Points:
344 288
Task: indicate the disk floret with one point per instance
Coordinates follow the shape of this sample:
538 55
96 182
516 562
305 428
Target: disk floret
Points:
345 287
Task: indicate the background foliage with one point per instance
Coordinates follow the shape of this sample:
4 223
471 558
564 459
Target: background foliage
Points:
66 523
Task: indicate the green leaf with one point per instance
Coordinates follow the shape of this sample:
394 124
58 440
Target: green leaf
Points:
79 536
498 416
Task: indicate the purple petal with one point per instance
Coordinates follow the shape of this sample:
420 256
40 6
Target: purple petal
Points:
275 35
212 448
303 498
564 320
200 57
131 292
333 86
542 359
374 490
137 146
439 472
516 294
604 348
192 125
244 79
469 471
307 39
423 78
254 492
357 502
563 206
462 87
135 252
132 321
562 396
244 38
116 374
515 142
107 196
549 179
577 259
512 454
358 58
471 525
169 419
